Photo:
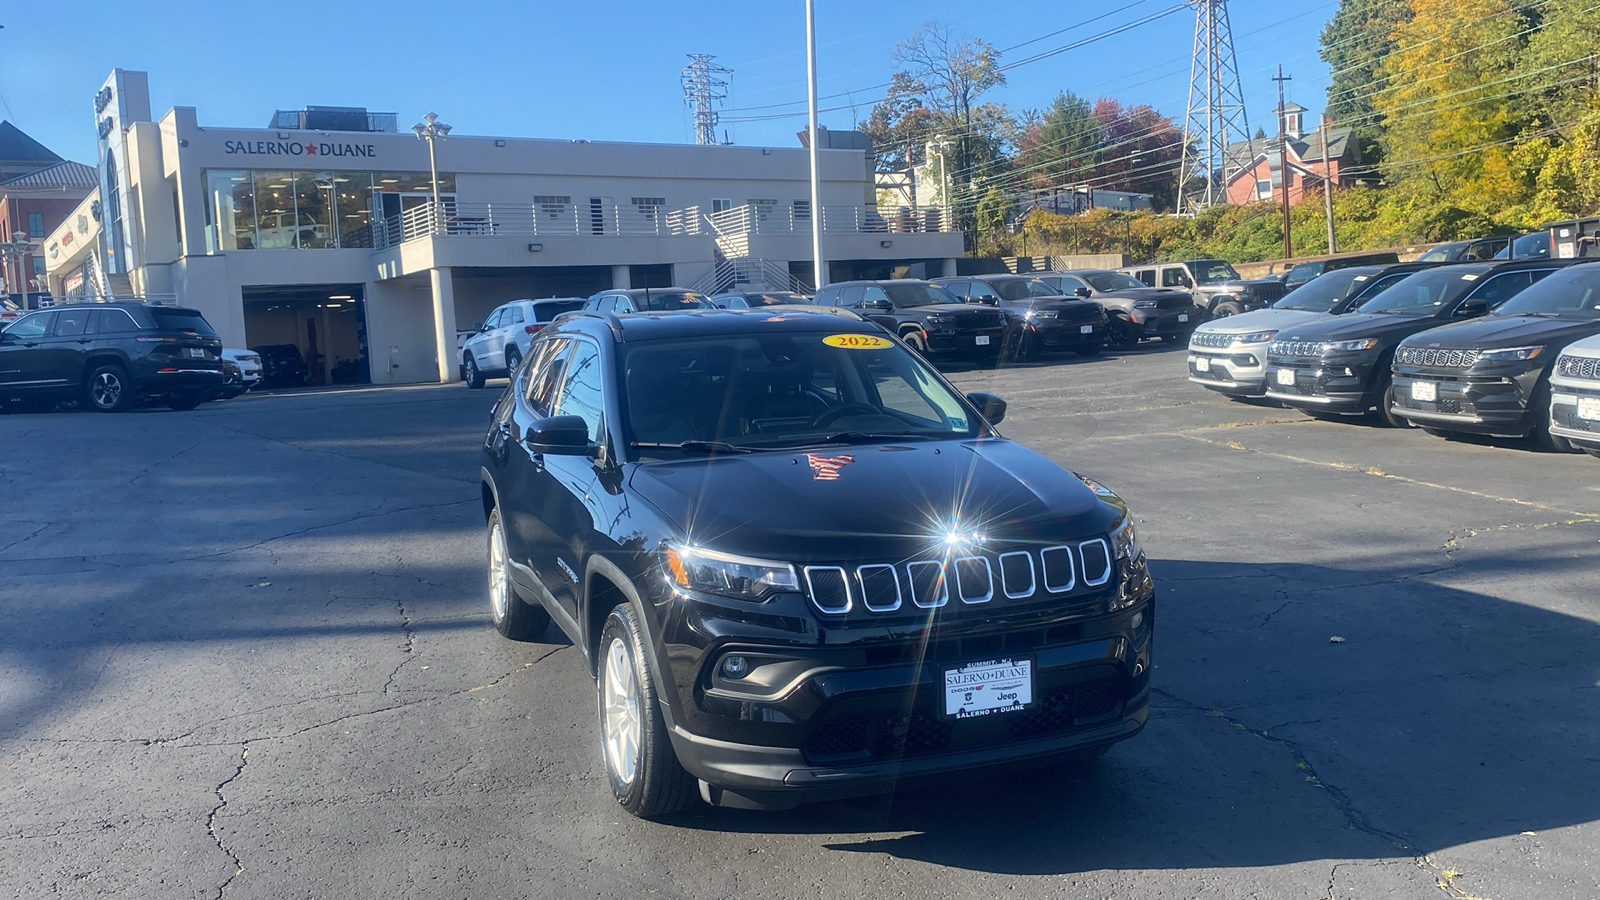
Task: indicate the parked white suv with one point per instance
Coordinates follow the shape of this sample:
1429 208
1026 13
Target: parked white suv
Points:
503 338
1575 395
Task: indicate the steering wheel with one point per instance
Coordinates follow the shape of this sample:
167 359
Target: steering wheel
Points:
827 417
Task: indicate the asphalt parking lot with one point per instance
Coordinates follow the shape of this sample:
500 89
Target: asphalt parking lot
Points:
246 653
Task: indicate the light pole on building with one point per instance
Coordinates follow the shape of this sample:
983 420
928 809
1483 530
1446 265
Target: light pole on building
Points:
16 250
430 129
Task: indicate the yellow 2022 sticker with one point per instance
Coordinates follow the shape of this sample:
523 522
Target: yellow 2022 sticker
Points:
857 341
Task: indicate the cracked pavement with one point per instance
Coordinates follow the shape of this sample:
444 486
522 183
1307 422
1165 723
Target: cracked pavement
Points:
247 654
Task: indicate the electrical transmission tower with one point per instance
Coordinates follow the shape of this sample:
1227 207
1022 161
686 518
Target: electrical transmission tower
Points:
702 85
1216 114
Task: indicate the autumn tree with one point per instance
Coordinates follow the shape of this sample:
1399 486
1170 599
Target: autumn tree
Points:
1353 44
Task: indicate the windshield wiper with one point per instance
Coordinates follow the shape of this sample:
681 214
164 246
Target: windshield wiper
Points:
703 446
858 437
1537 315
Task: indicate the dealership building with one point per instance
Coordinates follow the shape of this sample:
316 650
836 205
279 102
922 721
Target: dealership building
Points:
322 230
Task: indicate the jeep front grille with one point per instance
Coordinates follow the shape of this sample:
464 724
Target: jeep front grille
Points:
1439 359
1213 339
1578 367
1296 348
971 580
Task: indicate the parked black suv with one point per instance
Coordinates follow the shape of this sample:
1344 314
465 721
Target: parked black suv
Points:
1137 311
1341 366
1492 375
648 300
281 365
112 356
1041 317
926 316
800 564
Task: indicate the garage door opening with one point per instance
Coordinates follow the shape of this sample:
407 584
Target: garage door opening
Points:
308 335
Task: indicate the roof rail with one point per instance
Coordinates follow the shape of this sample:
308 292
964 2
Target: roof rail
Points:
610 319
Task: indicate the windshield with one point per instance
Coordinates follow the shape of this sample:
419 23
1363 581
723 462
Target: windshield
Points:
671 300
169 319
1529 246
783 391
1569 293
1111 281
1423 294
1324 292
905 295
1213 271
1443 253
774 299
1024 289
1305 271
547 310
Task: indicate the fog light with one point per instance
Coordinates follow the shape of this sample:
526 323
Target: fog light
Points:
1138 619
735 666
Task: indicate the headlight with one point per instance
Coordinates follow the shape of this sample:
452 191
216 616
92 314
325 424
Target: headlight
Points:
1254 337
1513 353
1033 314
1125 544
1348 346
941 320
728 575
1146 304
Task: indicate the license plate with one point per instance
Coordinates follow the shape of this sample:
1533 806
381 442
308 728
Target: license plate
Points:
1086 329
1589 408
983 340
1424 390
194 353
1183 317
1286 376
1202 364
994 686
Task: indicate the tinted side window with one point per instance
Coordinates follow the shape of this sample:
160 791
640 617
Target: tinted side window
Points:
181 320
71 322
1172 277
1148 276
513 316
826 297
546 368
31 326
873 292
852 295
113 321
622 305
1501 288
583 388
493 321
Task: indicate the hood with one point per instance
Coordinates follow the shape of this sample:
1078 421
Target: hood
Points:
1493 332
952 309
1065 304
871 502
1262 320
1358 325
1144 293
1588 347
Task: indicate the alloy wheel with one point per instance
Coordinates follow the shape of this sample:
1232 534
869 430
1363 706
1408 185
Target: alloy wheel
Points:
499 592
623 723
107 390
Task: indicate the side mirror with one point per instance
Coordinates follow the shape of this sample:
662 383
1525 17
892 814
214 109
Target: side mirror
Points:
990 405
1472 308
477 326
1185 281
987 299
1082 292
560 436
879 303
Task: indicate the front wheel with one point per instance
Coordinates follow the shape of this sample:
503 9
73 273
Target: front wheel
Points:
108 389
1122 334
1592 452
513 618
917 342
1227 309
1386 416
475 377
1540 434
645 775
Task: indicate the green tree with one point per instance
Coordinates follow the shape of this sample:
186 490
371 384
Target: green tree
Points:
1353 44
1060 146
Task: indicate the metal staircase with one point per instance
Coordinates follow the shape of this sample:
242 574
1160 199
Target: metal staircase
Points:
749 273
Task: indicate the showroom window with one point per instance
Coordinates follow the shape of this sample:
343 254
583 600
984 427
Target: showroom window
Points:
287 210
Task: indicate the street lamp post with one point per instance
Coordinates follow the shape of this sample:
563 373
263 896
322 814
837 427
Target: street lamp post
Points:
15 251
819 265
430 129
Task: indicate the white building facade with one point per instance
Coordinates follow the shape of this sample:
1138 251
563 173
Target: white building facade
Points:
325 233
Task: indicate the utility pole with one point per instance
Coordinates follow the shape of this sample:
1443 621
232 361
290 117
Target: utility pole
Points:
1327 184
911 174
1283 162
702 85
819 265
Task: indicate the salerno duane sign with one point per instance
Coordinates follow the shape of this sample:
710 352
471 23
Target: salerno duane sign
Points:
298 148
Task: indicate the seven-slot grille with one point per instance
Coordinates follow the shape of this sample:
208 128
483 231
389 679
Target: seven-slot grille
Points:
972 580
1442 359
1578 367
981 319
1211 339
1296 348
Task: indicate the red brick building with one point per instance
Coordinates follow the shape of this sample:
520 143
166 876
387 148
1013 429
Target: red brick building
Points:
38 189
1254 166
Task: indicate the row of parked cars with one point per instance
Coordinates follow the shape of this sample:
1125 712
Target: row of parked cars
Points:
1502 348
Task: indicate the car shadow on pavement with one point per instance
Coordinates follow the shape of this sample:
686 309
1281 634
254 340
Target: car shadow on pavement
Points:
1438 717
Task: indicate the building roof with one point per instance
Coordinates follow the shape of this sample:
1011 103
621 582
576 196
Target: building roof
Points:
15 146
66 174
1307 149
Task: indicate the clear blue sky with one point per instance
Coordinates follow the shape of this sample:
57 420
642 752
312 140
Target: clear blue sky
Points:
602 70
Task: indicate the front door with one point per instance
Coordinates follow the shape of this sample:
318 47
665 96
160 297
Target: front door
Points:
884 317
566 506
22 365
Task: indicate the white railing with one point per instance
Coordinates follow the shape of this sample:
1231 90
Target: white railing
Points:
796 219
751 270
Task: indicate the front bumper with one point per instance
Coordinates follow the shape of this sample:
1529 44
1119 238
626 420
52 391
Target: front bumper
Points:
965 342
1056 333
1477 403
1166 322
1564 419
1330 385
1238 370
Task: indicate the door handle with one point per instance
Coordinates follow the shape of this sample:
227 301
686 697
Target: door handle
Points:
85 340
30 343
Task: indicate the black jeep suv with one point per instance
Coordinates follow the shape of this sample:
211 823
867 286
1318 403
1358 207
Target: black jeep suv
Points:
1041 317
1492 375
800 564
112 356
1342 366
927 317
1136 310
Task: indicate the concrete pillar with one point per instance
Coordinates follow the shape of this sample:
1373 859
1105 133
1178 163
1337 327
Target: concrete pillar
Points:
621 278
949 268
444 324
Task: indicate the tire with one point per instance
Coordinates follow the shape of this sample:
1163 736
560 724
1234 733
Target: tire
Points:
185 402
512 359
1592 452
1121 334
513 618
108 389
644 772
1090 350
475 377
1026 348
1181 339
916 342
1386 416
1540 435
1224 310
1439 432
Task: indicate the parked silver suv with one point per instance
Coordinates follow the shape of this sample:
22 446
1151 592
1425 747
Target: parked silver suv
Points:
502 340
